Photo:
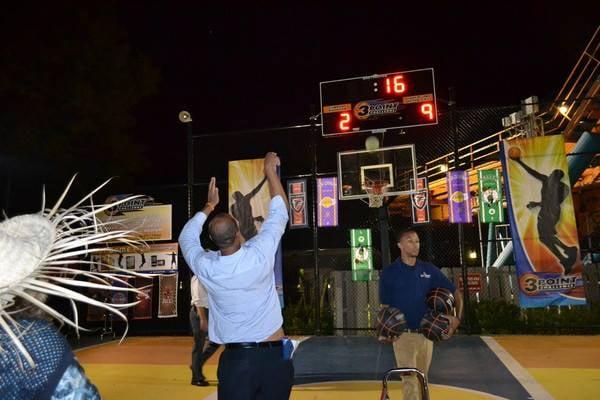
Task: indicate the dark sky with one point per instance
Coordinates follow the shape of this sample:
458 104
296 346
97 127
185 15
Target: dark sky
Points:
243 67
247 67
267 62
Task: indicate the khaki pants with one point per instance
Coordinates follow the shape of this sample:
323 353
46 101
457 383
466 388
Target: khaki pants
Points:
412 350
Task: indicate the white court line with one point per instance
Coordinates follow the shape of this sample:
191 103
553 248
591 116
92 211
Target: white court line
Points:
536 390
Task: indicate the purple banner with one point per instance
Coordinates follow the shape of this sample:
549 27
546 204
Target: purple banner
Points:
327 212
459 202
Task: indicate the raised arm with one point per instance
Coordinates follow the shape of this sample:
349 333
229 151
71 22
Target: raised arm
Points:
275 186
257 188
189 238
212 198
531 171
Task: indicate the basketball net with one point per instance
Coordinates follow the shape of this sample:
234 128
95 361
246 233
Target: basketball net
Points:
376 191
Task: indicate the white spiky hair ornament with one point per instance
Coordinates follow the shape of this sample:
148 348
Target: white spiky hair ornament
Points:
40 253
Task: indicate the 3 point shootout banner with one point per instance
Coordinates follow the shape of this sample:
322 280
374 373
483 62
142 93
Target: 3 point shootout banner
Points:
249 200
542 221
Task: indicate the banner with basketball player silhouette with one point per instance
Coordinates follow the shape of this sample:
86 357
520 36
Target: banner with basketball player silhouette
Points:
542 222
249 199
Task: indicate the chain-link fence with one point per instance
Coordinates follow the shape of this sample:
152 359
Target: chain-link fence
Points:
320 296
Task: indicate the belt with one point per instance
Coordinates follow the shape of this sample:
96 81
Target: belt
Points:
411 330
253 345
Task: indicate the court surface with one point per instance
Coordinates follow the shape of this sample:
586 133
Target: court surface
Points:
336 367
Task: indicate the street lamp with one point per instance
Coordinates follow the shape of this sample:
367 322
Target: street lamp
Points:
186 119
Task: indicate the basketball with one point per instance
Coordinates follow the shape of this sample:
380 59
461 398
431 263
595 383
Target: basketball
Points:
514 153
435 326
372 143
441 300
390 323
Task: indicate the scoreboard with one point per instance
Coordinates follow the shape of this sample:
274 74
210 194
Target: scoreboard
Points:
378 102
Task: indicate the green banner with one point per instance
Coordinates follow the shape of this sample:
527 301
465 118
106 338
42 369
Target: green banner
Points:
361 254
490 196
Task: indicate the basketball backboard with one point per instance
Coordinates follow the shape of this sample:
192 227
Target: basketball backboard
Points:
391 167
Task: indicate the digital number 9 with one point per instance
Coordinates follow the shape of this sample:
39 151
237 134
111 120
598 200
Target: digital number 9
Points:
427 110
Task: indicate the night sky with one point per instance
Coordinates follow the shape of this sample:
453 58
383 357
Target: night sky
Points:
237 67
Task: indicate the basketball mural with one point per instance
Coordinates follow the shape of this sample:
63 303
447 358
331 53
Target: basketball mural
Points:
542 221
249 204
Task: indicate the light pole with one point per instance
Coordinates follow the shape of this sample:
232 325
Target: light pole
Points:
459 226
186 119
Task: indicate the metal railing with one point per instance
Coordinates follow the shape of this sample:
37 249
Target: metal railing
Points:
574 92
405 372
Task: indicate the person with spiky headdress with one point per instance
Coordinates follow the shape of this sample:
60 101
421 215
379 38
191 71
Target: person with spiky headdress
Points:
39 256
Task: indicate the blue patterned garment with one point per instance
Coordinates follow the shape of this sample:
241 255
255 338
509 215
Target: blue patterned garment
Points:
75 386
57 375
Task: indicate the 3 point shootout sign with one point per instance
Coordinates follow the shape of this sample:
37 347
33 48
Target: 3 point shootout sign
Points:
542 222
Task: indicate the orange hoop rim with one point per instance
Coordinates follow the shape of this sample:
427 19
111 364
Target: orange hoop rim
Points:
377 188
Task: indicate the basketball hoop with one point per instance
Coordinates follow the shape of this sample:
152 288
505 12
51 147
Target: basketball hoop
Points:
376 191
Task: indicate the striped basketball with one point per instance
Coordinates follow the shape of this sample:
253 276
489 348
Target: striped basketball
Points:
435 326
390 323
441 300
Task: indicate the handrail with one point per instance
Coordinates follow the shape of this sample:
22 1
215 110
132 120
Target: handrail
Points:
403 372
575 88
582 77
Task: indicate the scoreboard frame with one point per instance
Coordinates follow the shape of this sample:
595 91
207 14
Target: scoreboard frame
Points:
353 99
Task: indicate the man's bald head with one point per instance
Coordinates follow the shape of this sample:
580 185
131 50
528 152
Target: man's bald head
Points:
223 230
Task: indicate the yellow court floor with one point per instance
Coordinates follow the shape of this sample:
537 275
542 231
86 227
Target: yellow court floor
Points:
568 367
562 367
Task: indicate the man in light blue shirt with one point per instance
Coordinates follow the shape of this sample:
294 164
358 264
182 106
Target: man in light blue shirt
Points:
245 310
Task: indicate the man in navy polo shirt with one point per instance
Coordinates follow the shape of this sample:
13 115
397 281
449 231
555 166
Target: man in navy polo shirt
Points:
404 284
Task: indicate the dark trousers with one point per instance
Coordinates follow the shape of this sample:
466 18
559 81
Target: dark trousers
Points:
255 374
199 354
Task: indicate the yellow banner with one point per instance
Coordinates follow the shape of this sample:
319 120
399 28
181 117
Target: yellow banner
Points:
150 222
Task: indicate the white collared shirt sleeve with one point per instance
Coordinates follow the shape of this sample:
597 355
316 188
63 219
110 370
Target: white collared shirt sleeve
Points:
267 240
189 241
198 293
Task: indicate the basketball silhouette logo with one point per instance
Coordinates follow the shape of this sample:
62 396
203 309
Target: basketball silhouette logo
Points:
514 153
